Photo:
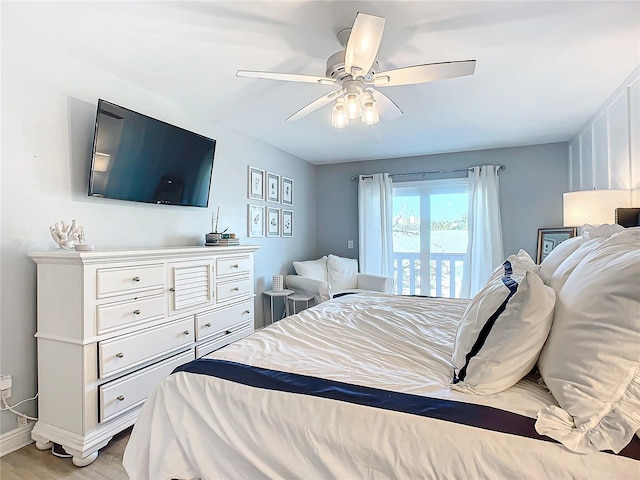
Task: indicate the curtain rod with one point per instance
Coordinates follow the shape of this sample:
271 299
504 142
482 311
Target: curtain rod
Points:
500 167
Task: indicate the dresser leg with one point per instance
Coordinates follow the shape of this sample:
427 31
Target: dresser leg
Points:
83 462
44 445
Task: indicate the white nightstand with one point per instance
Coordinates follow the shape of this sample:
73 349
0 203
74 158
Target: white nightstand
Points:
271 294
299 297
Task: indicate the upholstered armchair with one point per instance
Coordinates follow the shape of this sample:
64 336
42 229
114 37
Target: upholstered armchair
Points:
332 275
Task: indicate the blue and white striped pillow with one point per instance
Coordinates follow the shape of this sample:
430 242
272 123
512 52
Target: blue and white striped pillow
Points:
503 329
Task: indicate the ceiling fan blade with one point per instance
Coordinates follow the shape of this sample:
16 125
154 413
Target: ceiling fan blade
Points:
387 107
424 73
363 44
287 77
315 105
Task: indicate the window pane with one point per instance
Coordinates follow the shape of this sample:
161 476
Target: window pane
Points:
430 228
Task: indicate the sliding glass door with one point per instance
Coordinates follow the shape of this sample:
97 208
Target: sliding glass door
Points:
429 236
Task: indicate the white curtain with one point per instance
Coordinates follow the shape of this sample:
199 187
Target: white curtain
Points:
374 224
484 249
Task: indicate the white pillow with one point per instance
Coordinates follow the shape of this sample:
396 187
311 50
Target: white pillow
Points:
503 330
342 273
605 230
561 274
316 269
591 361
522 260
558 255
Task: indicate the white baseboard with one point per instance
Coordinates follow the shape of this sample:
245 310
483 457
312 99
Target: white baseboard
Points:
15 439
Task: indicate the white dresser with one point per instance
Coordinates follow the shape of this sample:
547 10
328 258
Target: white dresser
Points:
113 324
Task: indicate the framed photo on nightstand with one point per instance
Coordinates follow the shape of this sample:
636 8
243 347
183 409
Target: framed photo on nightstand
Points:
550 238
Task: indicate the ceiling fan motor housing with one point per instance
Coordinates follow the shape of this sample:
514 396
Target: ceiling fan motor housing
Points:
336 71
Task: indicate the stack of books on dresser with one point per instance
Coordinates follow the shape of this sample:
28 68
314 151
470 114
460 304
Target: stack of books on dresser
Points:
221 239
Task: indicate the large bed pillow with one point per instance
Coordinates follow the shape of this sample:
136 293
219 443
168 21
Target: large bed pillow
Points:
342 273
558 255
316 269
561 274
601 231
591 361
503 329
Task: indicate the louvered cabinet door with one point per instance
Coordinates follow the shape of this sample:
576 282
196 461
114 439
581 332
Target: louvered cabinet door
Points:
191 285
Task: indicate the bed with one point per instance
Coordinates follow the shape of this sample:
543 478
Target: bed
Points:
356 387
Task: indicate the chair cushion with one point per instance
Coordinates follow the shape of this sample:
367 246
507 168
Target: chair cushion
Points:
342 273
316 269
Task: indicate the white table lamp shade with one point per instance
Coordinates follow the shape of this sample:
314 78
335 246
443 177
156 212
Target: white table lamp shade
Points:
594 207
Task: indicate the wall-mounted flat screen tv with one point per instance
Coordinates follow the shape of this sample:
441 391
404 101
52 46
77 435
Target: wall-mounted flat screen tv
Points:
141 159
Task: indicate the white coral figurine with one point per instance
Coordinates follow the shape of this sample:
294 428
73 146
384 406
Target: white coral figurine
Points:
67 236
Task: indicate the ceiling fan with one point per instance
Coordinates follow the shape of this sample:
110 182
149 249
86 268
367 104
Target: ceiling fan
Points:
356 71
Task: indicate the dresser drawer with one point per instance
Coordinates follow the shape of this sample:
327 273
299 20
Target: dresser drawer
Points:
235 333
116 315
233 266
126 393
129 350
214 322
230 290
117 281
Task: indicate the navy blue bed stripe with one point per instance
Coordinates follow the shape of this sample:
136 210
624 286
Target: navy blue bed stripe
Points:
448 410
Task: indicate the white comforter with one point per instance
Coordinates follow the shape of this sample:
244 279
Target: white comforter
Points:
201 426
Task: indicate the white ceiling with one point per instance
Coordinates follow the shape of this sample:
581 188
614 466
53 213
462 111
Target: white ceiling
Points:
543 67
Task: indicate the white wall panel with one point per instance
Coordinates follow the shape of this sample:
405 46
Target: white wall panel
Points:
634 128
600 152
586 160
574 165
618 132
619 168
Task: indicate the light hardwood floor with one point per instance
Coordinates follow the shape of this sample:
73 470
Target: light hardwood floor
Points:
30 463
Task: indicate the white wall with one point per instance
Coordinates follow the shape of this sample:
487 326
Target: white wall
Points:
48 112
605 153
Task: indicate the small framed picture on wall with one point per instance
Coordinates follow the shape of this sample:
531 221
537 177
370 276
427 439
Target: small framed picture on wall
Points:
256 183
287 191
287 223
273 222
255 221
273 187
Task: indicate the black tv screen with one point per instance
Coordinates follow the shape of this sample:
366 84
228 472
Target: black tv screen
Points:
141 159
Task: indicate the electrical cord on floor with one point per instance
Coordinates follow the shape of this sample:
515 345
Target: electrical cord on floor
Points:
57 454
6 406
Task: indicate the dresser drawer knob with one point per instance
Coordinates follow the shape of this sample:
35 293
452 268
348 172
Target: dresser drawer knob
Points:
227 332
235 289
136 279
246 312
120 397
172 289
120 355
208 324
136 312
235 265
186 332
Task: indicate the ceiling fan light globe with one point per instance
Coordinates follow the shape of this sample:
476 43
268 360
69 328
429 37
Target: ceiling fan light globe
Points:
370 114
339 117
353 105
